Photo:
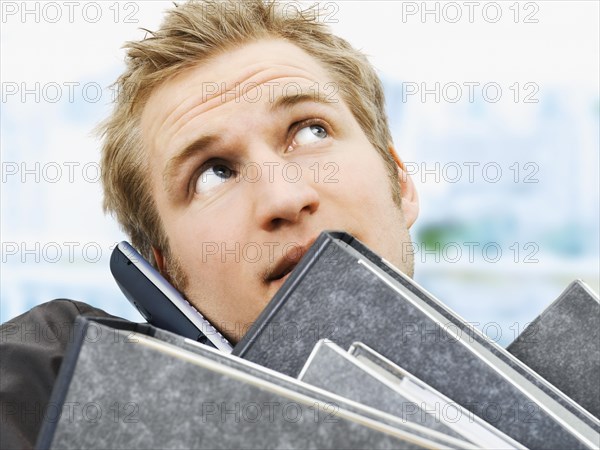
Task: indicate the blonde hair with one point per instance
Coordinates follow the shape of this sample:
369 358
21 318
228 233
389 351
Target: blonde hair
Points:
191 33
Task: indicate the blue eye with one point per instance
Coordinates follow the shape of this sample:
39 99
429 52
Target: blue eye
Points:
212 177
310 134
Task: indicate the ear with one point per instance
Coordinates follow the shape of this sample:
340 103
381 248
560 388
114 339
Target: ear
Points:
160 261
410 198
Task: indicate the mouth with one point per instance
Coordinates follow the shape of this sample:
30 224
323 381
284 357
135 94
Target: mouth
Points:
282 269
284 273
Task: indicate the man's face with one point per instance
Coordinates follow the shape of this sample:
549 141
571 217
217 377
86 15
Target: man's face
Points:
245 180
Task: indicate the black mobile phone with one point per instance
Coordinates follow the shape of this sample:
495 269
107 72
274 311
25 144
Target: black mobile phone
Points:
158 301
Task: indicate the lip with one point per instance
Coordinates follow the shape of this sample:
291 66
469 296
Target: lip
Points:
279 282
287 264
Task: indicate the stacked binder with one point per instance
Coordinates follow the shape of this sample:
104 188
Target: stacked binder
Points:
350 353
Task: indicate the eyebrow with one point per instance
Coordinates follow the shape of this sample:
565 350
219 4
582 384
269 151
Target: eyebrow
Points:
175 163
288 101
282 102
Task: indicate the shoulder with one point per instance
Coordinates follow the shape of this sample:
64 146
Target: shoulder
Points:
55 309
47 325
32 347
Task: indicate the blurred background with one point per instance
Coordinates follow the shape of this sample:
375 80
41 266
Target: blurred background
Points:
494 108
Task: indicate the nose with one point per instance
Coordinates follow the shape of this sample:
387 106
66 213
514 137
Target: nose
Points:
284 194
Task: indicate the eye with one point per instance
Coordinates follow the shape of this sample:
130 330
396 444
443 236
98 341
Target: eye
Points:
310 134
211 176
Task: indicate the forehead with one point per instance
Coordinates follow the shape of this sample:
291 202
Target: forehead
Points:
202 105
267 62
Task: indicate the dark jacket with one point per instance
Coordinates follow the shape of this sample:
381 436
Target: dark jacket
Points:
32 347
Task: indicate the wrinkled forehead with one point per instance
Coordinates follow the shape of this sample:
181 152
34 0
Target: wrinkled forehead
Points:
232 96
267 66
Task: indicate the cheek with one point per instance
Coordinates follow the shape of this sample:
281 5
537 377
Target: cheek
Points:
364 179
193 223
202 239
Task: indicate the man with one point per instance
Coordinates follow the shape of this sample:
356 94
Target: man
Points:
242 131
249 92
